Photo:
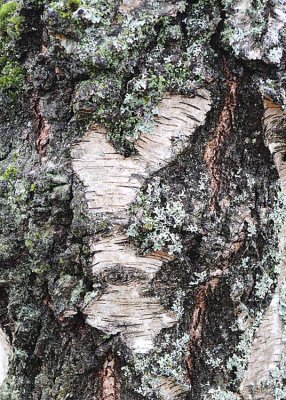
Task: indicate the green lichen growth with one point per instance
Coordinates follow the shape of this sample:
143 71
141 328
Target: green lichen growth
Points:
11 75
33 187
73 5
10 22
7 10
66 8
10 173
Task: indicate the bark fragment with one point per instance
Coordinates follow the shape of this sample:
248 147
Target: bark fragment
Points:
5 351
44 129
198 322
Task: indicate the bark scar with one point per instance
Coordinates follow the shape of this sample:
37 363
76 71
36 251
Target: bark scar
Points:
198 321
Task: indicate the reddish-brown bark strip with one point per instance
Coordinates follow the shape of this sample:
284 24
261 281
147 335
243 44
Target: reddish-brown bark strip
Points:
42 125
214 150
198 321
110 384
199 316
44 129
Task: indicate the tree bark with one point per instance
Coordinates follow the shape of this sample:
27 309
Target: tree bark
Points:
142 190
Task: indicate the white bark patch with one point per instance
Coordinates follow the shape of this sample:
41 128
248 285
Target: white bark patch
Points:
268 345
4 356
155 8
112 183
128 6
266 350
167 389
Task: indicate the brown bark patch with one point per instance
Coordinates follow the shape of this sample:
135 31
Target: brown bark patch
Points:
199 317
236 246
43 128
110 383
198 321
44 136
214 152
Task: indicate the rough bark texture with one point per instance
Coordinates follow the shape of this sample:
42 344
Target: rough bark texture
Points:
142 200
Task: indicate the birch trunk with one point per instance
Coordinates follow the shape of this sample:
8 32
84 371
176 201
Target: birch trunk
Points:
142 191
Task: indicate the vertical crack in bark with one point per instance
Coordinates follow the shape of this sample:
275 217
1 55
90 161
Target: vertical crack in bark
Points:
110 383
214 152
198 322
43 128
268 345
199 316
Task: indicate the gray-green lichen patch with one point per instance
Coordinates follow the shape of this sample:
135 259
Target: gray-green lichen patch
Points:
162 371
158 219
133 59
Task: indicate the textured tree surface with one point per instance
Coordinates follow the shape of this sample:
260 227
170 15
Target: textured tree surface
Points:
142 191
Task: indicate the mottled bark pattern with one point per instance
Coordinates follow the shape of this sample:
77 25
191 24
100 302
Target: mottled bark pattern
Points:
100 101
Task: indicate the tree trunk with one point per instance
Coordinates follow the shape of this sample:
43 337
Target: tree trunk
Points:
142 187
